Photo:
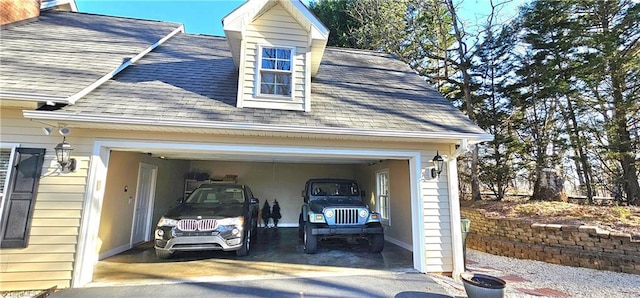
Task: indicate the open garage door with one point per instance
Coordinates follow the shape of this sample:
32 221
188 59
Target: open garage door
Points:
273 173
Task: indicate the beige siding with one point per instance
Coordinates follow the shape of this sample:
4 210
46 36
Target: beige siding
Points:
274 28
60 199
436 218
48 260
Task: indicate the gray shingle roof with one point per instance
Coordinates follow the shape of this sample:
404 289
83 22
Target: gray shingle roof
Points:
63 52
193 77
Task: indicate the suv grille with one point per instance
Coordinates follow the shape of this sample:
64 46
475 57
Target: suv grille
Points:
346 216
190 225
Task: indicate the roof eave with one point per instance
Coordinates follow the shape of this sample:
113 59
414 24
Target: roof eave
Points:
473 138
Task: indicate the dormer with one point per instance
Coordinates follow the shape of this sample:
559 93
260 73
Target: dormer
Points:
277 46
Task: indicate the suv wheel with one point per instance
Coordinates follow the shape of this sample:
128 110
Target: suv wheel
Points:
254 231
310 240
163 254
244 249
376 243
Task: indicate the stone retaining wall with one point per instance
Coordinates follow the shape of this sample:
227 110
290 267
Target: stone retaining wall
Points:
570 245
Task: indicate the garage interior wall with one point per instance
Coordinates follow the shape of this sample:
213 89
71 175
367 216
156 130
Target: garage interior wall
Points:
399 231
271 181
118 205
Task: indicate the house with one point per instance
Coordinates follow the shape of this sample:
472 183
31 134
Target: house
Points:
146 106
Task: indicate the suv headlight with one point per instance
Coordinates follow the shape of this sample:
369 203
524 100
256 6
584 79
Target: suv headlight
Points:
167 222
232 221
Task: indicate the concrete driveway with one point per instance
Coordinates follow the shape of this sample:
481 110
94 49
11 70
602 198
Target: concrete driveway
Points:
277 253
276 267
382 284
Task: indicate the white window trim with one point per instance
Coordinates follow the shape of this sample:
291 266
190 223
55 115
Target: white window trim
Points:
385 220
258 68
12 157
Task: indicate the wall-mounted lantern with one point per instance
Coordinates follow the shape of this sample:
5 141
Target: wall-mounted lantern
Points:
63 155
438 164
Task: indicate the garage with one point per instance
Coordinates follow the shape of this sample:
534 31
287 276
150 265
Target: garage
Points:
269 103
162 172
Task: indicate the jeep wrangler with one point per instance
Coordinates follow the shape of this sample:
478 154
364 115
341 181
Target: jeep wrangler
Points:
335 208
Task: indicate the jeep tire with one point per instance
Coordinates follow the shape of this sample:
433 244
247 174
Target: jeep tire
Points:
301 227
310 240
376 243
163 254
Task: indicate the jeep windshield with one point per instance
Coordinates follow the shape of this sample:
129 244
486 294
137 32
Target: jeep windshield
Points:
334 189
217 194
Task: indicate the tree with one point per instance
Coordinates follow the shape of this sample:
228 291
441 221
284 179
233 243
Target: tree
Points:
495 113
612 74
335 15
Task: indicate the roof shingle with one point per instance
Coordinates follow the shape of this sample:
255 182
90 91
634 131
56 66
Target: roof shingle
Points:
63 52
194 76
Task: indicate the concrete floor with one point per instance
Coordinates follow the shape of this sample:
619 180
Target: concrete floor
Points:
278 253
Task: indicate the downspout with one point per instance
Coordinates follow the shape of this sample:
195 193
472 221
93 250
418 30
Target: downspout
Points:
73 98
454 208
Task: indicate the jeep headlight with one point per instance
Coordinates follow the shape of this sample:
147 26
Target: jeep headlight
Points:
317 218
167 222
364 213
328 213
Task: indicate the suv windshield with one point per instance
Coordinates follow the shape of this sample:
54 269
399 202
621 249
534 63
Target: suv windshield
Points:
217 194
334 189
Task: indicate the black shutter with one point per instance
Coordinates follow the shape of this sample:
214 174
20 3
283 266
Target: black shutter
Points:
21 197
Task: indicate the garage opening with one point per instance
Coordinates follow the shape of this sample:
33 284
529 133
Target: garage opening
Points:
271 177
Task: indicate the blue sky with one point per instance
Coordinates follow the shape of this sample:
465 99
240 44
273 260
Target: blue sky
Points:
205 16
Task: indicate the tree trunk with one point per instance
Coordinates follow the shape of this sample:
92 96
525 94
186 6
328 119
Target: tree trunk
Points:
466 89
622 142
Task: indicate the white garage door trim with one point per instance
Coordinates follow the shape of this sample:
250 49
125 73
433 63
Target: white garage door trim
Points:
87 256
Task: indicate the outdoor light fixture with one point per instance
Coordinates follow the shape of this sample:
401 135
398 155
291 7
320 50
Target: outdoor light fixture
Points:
438 164
63 155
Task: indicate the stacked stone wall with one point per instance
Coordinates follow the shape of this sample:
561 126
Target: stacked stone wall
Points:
570 245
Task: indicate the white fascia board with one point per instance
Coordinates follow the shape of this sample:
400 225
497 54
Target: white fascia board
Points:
234 21
185 123
54 3
320 30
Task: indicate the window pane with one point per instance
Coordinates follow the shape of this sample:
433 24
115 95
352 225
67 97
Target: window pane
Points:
284 65
268 64
275 83
383 196
283 54
268 53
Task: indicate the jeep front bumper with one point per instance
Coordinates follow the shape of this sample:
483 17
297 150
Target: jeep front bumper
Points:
346 230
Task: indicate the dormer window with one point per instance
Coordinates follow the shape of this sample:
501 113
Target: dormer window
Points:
275 71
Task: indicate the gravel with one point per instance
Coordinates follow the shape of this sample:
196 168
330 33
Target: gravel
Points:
572 281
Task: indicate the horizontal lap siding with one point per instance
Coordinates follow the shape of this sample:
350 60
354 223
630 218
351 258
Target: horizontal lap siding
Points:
436 219
274 28
48 260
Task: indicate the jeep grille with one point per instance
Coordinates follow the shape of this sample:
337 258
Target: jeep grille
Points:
190 225
346 216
